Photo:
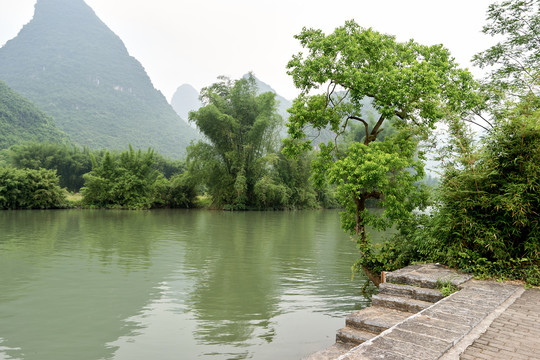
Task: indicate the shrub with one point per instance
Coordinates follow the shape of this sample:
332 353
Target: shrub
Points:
30 189
124 181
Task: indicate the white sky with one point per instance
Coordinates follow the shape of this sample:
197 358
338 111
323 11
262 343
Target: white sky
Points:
194 41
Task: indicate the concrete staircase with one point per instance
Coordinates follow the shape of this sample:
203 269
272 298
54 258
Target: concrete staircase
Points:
409 319
393 304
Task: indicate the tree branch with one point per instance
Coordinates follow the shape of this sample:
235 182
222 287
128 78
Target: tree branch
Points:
373 195
366 125
483 118
477 124
330 93
375 129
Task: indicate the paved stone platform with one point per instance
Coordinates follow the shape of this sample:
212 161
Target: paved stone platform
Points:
515 334
484 320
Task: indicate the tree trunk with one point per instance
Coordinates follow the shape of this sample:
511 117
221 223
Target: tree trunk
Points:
360 227
362 235
375 279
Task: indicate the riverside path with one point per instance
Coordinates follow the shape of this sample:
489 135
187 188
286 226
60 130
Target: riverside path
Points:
483 320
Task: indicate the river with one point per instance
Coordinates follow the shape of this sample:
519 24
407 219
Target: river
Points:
173 284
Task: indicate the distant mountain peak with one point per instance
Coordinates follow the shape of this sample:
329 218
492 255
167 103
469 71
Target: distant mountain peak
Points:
184 100
68 62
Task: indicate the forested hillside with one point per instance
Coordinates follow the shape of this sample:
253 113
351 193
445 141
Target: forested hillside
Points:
68 62
21 121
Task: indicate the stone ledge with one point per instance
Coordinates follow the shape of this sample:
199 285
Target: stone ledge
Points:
427 276
444 324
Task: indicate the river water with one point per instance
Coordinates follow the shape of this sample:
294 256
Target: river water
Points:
173 284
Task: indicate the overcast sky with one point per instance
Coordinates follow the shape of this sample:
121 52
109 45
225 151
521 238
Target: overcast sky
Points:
194 41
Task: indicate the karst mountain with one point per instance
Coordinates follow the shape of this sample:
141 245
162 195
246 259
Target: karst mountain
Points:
71 65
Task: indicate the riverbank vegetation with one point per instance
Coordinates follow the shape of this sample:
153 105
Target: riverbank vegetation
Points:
135 179
239 166
484 215
30 189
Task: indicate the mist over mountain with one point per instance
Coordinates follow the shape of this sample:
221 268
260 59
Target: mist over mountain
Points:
70 64
184 100
283 104
21 120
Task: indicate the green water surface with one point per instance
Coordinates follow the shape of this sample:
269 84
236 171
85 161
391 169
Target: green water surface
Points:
173 284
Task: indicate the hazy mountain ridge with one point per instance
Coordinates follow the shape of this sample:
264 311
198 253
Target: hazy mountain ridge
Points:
76 69
184 100
283 103
21 121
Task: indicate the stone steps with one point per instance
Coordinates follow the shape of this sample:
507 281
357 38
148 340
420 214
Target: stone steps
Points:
385 311
365 324
403 295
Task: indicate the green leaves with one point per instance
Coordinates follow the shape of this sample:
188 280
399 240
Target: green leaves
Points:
70 162
485 219
386 171
124 181
240 127
30 189
410 87
413 81
494 202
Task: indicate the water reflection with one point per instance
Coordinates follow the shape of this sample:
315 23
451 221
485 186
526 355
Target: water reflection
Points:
169 284
236 291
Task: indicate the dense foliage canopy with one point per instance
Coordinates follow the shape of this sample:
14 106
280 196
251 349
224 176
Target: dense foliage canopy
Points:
240 128
29 189
238 165
130 180
70 162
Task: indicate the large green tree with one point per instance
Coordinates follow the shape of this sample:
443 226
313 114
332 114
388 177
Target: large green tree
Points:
411 86
240 129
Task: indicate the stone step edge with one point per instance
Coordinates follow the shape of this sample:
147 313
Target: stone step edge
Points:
414 292
400 303
370 319
407 276
332 352
368 342
348 335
